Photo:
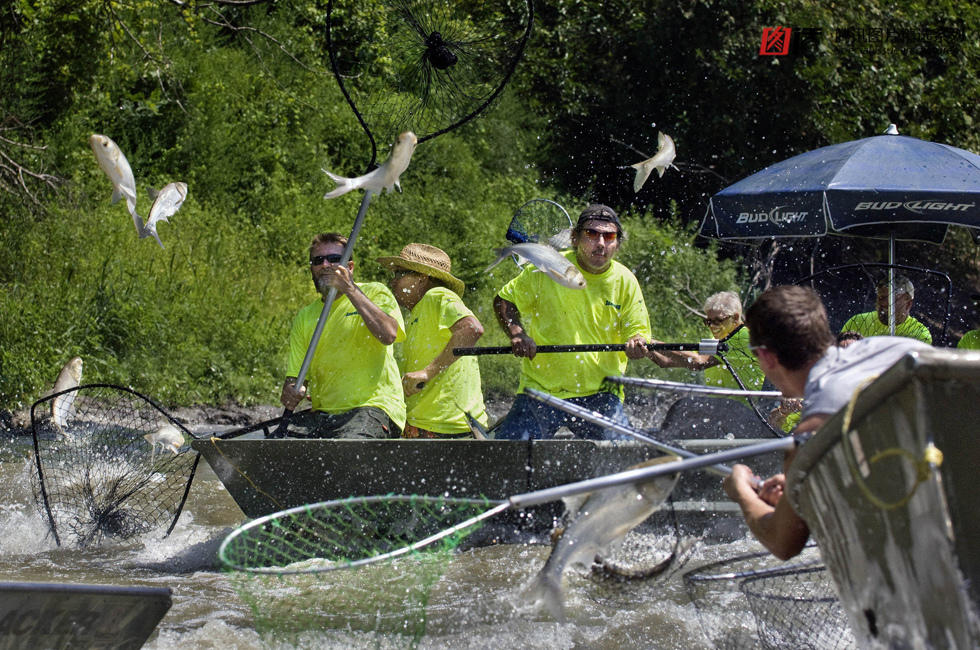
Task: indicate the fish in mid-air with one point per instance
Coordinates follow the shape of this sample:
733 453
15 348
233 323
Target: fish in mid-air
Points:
112 161
168 437
545 259
663 159
603 517
384 177
62 406
165 203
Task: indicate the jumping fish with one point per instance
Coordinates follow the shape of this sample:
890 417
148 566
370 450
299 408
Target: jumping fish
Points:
384 177
168 437
545 259
112 161
165 203
62 406
605 516
663 159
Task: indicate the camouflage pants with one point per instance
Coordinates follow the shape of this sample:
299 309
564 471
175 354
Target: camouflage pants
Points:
363 422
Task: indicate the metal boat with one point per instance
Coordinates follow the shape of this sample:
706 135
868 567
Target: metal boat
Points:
888 489
266 476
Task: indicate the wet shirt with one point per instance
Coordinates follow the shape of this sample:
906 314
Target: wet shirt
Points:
868 324
742 360
610 309
440 406
350 368
841 371
970 341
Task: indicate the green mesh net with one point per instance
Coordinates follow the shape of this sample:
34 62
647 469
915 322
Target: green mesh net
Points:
299 569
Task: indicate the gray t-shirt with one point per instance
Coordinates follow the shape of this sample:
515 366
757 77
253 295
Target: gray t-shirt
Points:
840 371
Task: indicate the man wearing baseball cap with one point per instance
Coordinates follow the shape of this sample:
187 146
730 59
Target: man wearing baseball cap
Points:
535 310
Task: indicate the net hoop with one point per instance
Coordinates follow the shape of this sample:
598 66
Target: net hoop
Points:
240 536
515 57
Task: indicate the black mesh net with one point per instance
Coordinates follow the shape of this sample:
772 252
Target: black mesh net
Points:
109 463
797 608
723 607
423 65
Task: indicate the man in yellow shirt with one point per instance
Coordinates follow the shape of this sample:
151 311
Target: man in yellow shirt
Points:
353 378
535 310
875 323
441 390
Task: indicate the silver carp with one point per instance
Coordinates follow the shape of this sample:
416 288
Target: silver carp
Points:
384 177
112 161
605 516
166 202
168 437
660 161
62 406
545 259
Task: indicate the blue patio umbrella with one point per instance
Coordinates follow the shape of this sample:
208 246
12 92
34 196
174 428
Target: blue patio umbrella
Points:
887 186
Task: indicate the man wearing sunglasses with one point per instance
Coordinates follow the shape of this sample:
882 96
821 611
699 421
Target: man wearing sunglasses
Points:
790 335
535 310
353 379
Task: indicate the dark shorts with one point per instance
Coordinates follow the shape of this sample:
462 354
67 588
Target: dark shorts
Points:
363 422
529 419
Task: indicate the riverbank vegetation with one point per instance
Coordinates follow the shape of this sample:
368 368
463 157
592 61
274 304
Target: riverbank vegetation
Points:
238 102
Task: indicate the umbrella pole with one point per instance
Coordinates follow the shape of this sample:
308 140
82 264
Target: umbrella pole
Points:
891 283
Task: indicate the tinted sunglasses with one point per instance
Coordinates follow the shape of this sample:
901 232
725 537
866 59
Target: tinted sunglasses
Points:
317 260
595 235
711 322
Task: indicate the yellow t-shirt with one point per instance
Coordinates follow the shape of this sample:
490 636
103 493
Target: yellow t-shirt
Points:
970 341
868 324
440 406
742 360
610 309
350 368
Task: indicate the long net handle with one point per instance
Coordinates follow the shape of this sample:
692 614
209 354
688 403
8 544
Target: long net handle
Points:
708 346
280 431
603 421
646 473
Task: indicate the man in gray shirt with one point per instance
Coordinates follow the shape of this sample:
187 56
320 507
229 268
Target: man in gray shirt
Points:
791 337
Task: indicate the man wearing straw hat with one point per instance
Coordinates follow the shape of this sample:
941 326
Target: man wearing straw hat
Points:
790 334
534 310
442 391
353 378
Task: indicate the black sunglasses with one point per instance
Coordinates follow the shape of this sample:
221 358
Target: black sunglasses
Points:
317 260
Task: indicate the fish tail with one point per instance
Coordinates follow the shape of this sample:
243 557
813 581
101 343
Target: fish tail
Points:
344 185
546 589
642 174
151 229
501 254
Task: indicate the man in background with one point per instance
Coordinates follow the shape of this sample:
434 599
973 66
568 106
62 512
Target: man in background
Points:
875 323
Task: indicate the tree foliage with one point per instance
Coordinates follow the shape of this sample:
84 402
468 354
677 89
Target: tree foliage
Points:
236 98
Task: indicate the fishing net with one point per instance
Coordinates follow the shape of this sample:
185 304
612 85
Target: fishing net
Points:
721 606
797 608
423 65
96 475
298 569
537 221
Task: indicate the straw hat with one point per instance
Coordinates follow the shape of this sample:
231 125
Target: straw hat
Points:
427 260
